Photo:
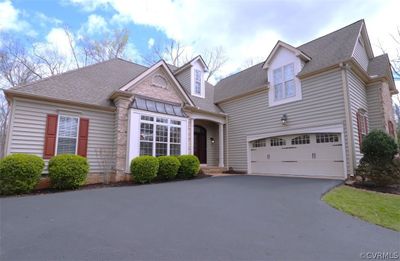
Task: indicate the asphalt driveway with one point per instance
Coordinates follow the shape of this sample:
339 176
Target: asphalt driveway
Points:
223 218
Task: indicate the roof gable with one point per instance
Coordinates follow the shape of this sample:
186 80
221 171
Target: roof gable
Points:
166 69
279 45
189 64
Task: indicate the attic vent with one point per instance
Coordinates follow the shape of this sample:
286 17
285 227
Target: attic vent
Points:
159 81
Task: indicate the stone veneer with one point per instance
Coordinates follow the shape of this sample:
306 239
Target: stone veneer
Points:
121 126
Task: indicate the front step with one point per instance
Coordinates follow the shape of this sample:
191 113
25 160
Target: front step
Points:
212 170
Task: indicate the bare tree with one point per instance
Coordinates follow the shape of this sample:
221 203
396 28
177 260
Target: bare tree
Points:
172 52
176 53
214 59
22 62
109 47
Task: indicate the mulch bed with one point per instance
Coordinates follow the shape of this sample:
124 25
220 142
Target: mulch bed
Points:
101 185
393 189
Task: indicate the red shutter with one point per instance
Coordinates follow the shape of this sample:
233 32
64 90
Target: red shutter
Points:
359 127
50 136
83 137
366 124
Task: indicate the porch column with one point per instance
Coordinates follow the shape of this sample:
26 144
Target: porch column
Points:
221 145
121 101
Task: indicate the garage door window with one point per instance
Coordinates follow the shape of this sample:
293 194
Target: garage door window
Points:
327 137
277 142
259 143
299 140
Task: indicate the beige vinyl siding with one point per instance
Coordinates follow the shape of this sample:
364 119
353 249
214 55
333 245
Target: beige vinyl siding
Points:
29 124
375 110
185 79
361 55
322 102
358 100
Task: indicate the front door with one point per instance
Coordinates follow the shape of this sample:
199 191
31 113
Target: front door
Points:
200 143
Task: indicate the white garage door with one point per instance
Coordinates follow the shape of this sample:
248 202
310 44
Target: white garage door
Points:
311 155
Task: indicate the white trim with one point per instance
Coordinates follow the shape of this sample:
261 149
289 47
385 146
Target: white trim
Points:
221 145
58 129
279 44
284 57
150 70
200 116
320 129
134 120
10 126
195 66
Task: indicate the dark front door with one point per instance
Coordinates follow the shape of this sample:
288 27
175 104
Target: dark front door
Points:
200 143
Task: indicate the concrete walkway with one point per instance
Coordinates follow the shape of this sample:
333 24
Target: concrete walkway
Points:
221 218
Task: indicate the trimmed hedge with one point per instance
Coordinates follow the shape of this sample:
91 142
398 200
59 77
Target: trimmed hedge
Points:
144 168
68 171
190 166
20 173
168 167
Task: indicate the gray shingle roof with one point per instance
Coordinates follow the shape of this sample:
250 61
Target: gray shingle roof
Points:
207 103
331 49
92 84
242 82
95 83
379 65
324 51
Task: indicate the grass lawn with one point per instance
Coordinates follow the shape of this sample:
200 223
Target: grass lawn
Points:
378 208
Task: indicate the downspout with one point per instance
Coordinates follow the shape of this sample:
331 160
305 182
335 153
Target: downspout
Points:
349 125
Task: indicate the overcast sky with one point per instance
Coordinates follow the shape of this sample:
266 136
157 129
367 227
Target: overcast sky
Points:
246 29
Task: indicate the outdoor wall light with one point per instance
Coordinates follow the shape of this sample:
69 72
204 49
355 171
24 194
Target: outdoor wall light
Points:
212 140
284 119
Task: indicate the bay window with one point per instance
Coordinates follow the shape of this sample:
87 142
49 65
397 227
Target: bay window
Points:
159 136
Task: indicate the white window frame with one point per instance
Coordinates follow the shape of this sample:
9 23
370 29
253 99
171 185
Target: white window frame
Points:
284 82
197 73
197 67
134 122
58 130
282 58
154 141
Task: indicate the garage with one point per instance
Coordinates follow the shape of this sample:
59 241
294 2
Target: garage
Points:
304 155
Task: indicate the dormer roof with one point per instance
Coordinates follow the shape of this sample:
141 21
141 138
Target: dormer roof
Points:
281 44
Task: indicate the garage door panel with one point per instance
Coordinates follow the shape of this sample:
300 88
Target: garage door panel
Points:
324 158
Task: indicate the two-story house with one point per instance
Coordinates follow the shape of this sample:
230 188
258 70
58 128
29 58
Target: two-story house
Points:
302 112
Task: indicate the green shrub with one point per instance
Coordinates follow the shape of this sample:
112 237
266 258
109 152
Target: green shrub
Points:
20 173
67 171
190 166
378 147
144 168
168 167
378 165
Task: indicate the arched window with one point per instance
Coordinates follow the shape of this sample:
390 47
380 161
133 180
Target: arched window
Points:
159 81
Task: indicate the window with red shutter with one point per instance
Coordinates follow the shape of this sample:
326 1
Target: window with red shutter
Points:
50 136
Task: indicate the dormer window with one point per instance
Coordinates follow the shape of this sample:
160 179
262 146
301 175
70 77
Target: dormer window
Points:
197 82
284 84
